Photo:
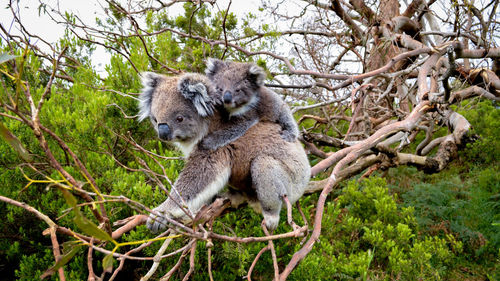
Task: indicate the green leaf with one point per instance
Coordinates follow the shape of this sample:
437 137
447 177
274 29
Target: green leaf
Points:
64 259
13 141
69 245
107 263
82 222
6 57
90 228
70 199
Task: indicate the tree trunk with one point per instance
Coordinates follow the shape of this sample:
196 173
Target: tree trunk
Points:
367 107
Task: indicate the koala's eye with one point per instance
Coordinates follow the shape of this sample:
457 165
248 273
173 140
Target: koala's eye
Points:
179 118
238 90
154 119
219 89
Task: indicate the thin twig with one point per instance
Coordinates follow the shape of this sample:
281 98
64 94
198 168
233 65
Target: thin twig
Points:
191 262
252 266
90 267
157 258
224 29
273 253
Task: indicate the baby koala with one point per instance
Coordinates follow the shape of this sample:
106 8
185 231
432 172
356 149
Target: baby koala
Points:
240 89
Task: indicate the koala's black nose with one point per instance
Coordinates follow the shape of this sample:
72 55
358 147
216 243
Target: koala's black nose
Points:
227 97
164 131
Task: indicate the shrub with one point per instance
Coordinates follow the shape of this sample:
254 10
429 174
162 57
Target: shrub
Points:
366 235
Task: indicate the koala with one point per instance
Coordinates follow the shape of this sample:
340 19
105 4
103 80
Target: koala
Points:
240 89
260 167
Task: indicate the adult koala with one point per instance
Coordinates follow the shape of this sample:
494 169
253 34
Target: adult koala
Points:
260 167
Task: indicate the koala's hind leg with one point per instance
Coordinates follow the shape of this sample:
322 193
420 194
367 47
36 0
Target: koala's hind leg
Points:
270 180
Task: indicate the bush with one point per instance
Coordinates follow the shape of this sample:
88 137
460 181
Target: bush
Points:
366 235
485 119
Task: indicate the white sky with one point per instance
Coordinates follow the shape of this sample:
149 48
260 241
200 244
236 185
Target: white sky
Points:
41 24
44 27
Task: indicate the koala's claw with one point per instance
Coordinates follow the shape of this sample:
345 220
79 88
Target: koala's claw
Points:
156 221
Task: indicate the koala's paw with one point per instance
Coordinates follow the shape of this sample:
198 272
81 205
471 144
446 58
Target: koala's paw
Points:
288 136
157 220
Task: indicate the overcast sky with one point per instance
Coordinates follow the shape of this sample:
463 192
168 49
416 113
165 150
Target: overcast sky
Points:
43 26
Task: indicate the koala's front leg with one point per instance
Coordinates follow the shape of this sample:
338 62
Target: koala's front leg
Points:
204 175
282 115
228 132
290 130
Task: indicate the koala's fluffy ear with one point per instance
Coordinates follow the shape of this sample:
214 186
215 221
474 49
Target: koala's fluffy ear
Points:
199 90
150 81
214 66
256 74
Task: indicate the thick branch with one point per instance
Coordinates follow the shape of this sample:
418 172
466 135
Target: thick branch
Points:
472 92
322 139
413 8
363 10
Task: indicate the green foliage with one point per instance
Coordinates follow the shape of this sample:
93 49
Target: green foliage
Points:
485 119
365 235
90 123
468 209
463 200
14 142
465 206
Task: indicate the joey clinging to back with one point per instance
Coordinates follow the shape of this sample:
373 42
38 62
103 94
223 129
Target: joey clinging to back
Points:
240 89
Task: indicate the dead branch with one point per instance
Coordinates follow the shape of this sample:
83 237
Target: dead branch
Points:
57 251
131 224
157 258
91 276
191 262
471 92
252 266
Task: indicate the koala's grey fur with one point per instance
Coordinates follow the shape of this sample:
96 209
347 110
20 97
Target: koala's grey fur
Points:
248 102
260 166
